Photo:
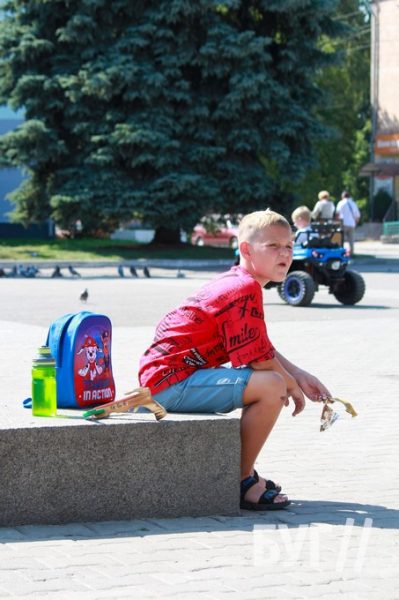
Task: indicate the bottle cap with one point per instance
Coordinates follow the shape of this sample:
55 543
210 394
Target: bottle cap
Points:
44 358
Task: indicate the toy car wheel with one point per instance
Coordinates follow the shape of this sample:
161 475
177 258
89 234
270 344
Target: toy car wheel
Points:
352 290
297 289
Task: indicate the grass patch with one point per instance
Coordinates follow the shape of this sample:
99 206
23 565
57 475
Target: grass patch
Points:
104 249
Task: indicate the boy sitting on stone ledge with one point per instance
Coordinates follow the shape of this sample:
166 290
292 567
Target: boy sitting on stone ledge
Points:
224 323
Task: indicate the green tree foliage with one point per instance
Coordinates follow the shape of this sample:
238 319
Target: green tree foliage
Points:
344 108
165 109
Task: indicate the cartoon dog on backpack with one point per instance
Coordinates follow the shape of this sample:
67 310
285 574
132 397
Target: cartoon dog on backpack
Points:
90 348
106 361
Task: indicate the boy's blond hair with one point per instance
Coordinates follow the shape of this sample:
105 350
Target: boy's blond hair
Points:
252 224
302 212
323 194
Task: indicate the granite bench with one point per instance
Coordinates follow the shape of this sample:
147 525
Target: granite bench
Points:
129 466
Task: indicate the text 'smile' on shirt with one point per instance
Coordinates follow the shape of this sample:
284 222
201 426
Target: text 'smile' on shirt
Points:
223 322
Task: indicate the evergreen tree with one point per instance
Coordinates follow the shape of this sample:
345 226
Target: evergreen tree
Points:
163 109
344 108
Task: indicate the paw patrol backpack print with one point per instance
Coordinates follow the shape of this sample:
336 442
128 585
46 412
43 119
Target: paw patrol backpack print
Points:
81 345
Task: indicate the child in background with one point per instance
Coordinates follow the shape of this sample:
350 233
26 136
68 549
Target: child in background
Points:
301 217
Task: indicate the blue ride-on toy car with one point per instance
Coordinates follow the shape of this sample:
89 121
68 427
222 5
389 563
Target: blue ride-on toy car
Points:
321 260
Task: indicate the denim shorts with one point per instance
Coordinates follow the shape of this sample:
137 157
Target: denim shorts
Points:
206 391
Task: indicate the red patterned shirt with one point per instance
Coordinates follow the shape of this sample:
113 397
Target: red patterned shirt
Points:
223 322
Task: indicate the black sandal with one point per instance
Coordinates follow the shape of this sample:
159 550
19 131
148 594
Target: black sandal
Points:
265 502
270 485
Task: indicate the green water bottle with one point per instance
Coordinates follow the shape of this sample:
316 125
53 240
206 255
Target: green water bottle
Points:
44 384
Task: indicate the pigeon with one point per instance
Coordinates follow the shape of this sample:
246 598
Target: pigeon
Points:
31 271
22 271
133 272
57 272
84 295
74 271
146 272
120 271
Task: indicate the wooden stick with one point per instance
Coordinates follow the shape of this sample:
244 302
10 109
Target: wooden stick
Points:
130 403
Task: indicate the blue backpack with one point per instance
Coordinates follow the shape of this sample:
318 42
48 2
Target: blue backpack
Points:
81 346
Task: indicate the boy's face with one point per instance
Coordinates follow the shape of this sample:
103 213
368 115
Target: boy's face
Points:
270 256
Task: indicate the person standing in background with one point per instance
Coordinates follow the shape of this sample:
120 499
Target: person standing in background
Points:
324 208
349 212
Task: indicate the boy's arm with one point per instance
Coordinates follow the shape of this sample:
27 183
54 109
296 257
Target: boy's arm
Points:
309 384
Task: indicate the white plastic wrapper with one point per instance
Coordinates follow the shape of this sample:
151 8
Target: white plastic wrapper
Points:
329 416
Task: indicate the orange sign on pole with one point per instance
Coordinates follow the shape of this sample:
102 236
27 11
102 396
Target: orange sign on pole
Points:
386 144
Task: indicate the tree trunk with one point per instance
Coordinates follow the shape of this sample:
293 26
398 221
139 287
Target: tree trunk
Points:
165 235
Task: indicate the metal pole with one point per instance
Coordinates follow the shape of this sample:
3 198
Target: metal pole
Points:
374 71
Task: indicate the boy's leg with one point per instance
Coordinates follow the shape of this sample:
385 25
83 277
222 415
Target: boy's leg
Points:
264 397
260 394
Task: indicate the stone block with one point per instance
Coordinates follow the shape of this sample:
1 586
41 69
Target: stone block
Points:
119 468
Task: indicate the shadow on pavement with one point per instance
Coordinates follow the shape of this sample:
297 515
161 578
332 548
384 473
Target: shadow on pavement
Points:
300 513
356 306
341 307
306 512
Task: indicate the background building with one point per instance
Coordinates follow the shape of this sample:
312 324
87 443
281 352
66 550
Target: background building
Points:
384 165
10 179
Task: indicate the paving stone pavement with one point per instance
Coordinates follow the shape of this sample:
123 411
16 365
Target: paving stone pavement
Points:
338 539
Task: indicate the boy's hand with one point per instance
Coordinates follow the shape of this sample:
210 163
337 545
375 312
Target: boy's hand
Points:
299 404
311 386
298 398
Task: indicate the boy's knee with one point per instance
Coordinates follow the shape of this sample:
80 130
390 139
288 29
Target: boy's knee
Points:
275 381
267 385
